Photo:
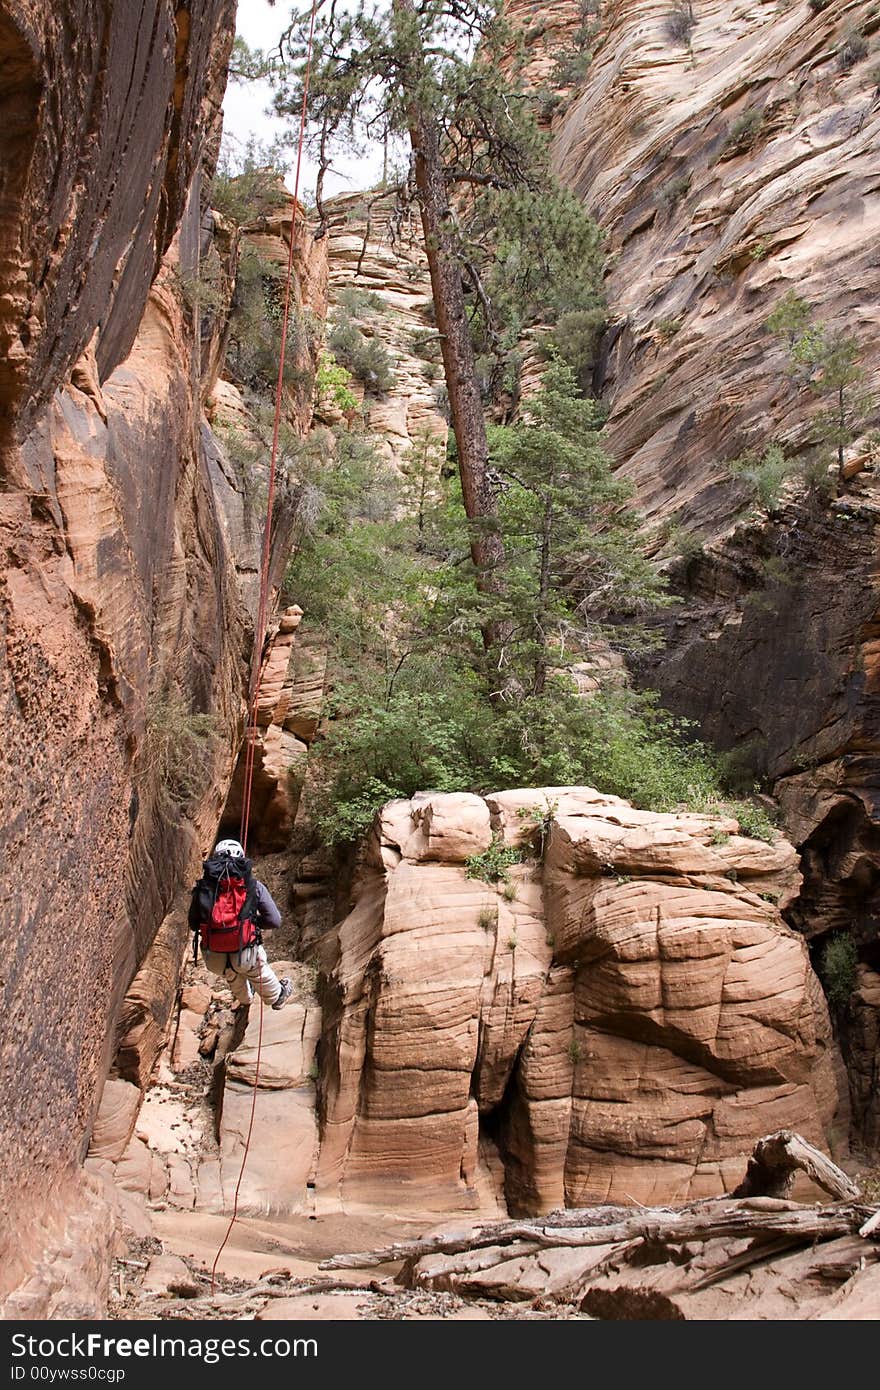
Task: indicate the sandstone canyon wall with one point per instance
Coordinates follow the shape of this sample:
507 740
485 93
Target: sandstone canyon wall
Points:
635 1011
731 160
120 602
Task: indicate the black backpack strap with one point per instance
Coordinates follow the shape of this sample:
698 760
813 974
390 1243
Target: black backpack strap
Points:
250 907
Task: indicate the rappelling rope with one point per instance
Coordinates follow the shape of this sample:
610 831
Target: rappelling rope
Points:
263 607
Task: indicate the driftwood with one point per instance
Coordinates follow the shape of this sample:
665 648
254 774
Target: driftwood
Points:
775 1161
753 1226
871 1226
207 1306
724 1218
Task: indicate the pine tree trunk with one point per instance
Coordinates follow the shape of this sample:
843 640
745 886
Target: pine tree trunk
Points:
543 596
465 405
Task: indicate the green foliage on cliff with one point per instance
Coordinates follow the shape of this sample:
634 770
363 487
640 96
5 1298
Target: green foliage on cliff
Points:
247 64
414 705
763 476
492 865
253 354
332 380
680 23
528 253
249 185
433 729
829 362
176 749
854 48
838 970
537 262
571 550
366 358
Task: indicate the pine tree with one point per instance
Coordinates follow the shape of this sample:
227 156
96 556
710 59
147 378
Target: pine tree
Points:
830 362
443 74
571 551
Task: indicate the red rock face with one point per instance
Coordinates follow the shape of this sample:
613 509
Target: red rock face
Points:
729 165
725 169
116 577
109 110
622 1021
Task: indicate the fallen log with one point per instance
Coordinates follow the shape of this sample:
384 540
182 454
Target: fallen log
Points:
757 1208
730 1219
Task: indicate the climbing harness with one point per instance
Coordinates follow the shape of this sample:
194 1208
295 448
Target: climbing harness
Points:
263 606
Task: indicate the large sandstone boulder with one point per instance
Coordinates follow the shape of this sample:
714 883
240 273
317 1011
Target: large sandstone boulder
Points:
622 1017
115 1121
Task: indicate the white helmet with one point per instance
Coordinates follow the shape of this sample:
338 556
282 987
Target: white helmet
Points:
229 847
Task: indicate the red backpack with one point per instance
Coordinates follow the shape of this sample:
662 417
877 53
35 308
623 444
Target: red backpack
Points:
226 906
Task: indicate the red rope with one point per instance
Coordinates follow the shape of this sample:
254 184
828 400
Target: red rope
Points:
263 607
247 1145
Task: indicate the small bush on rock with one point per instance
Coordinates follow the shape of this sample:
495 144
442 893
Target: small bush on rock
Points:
491 866
853 49
176 748
366 358
680 23
838 970
763 476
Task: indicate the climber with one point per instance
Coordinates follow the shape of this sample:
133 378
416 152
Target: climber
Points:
229 907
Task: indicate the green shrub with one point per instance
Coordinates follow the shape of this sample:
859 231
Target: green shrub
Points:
754 821
177 748
359 303
817 476
667 328
333 380
745 129
250 187
571 67
425 343
678 540
674 190
838 970
575 338
491 866
366 358
253 355
488 918
543 819
200 290
763 476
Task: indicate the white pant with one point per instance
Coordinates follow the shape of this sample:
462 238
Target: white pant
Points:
243 970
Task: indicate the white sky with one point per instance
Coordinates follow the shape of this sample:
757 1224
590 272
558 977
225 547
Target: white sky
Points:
246 108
